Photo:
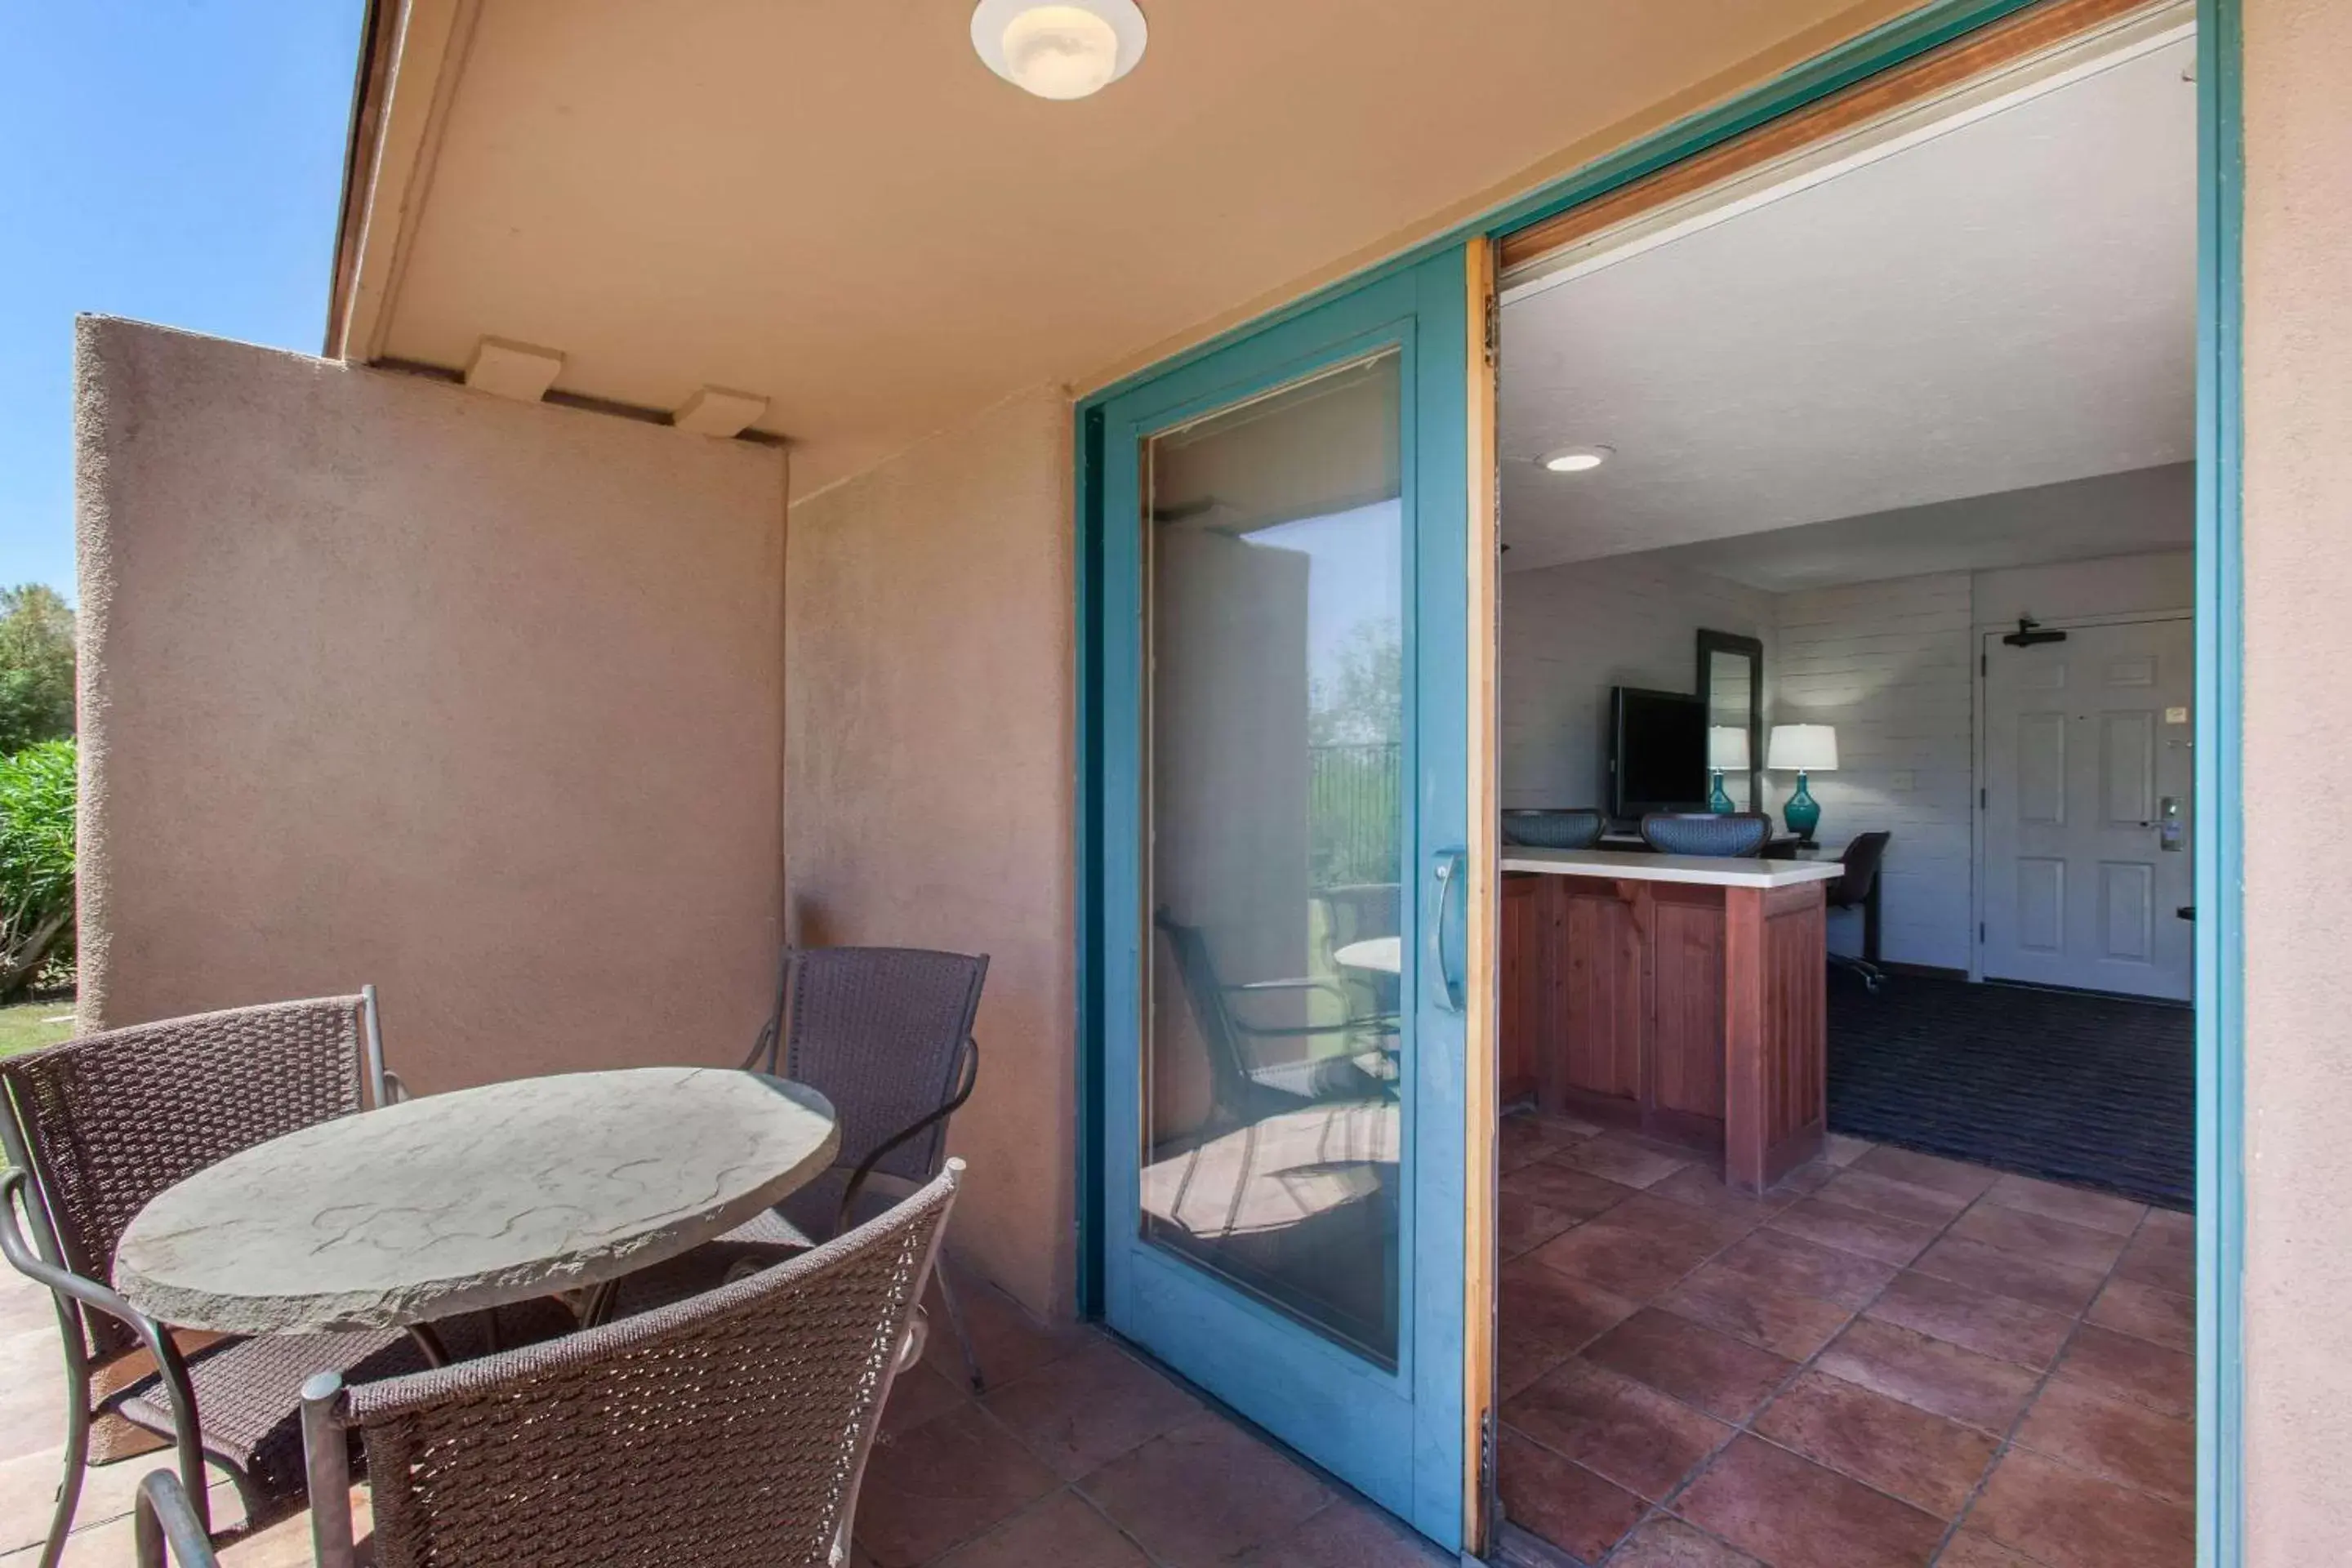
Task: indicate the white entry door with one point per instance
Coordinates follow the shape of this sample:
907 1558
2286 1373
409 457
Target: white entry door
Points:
2086 810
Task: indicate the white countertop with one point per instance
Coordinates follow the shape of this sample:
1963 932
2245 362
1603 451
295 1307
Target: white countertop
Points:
1707 869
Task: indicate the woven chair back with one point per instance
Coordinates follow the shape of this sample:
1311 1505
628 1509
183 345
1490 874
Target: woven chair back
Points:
880 1032
728 1428
112 1118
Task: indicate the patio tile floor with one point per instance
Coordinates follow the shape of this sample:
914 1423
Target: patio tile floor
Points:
1891 1359
1080 1454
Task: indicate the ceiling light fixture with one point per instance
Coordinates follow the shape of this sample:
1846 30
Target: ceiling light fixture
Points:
1576 459
1068 50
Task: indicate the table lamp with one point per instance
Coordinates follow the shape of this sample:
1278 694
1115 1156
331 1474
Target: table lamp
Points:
1726 752
1806 748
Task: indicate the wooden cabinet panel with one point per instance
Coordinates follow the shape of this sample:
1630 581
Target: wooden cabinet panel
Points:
1528 946
1601 1001
1687 1002
1695 1013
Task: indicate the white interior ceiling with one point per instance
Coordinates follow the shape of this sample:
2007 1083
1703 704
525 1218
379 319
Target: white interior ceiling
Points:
2131 513
2004 308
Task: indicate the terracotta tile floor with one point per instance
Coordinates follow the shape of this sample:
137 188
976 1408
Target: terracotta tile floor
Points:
1891 1359
1080 1456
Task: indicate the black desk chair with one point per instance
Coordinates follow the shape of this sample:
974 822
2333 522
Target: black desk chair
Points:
1858 888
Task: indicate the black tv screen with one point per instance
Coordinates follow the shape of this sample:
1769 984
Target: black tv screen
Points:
1657 750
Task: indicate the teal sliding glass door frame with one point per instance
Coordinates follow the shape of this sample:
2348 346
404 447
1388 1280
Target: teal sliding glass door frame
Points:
1393 1431
2218 864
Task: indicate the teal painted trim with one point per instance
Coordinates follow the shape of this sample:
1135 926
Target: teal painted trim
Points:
2220 960
1396 1435
2220 878
1867 54
1888 45
1086 895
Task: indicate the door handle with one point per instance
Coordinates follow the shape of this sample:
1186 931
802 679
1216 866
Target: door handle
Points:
1449 871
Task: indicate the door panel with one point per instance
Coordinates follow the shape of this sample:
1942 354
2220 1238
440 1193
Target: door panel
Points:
2085 741
1286 815
2042 768
2127 894
2127 767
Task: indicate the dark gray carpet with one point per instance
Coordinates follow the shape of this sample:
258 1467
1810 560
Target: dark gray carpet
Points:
2095 1092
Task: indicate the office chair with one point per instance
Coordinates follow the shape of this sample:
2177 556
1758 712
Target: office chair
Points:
1858 887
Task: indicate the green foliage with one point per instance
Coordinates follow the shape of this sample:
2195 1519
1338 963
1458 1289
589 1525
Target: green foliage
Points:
1360 702
37 862
36 667
1355 752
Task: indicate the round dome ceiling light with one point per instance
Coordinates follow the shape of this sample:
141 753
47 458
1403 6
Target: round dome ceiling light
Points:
1071 48
1576 459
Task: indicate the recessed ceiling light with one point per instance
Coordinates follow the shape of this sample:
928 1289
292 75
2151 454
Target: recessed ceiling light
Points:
1064 50
1576 459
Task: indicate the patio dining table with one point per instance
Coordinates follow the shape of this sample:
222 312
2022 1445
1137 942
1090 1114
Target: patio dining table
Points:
455 1202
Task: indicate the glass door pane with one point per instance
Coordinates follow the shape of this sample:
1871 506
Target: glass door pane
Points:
1282 639
1277 824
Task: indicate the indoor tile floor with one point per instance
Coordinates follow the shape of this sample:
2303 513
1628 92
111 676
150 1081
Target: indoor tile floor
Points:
1891 1359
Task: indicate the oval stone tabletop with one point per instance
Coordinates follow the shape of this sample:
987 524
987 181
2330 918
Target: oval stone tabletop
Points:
461 1201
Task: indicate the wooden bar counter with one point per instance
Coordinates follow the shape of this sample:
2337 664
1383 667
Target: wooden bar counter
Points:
1677 995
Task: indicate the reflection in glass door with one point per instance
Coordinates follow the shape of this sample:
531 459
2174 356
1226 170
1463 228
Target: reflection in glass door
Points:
1277 745
1284 636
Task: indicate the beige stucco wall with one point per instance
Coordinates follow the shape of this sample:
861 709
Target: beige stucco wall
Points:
386 680
930 643
2298 738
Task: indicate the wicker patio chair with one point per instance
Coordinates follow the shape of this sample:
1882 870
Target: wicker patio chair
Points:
884 1032
728 1428
98 1125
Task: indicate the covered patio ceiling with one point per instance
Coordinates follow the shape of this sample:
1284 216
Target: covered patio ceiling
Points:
837 207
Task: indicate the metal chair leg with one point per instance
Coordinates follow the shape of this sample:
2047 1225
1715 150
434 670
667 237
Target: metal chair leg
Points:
69 1487
962 1334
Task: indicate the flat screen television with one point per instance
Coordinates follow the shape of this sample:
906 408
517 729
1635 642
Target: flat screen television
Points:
1657 752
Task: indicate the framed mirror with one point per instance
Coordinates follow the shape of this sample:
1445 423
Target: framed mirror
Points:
1731 679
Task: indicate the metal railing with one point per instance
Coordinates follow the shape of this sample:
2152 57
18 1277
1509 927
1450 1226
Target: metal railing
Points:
1355 804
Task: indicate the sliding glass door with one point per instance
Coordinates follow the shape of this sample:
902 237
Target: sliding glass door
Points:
1285 821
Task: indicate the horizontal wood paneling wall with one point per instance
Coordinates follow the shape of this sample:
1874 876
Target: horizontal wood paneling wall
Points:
1889 664
1569 633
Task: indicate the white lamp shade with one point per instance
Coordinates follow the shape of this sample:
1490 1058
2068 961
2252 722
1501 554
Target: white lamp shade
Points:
1727 747
1810 747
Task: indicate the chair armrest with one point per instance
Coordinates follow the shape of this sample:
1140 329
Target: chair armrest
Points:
918 1335
170 1365
969 1079
763 1049
89 1292
166 1517
1292 1031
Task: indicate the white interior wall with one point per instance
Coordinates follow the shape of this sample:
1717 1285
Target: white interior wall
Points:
1891 664
1571 633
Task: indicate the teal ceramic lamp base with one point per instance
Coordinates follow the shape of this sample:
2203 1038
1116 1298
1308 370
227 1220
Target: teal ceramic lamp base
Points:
1803 812
1717 802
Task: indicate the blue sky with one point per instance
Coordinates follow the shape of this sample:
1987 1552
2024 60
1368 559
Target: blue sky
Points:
178 161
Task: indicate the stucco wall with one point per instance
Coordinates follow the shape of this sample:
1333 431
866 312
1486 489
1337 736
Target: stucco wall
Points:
385 680
930 784
2298 740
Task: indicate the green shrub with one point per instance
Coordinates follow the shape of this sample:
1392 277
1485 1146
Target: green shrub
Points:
36 667
36 863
